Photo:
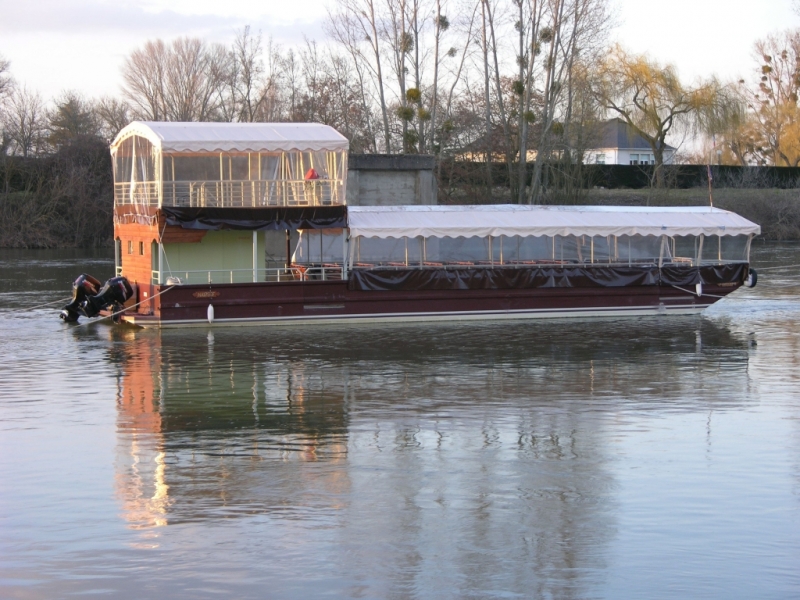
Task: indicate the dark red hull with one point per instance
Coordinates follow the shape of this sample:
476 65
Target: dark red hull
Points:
333 301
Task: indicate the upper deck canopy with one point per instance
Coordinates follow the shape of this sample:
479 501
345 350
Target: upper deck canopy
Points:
168 137
512 220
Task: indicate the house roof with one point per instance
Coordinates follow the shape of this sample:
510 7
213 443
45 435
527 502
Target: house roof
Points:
537 220
234 137
616 133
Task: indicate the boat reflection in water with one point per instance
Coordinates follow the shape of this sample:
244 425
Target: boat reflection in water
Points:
415 457
195 430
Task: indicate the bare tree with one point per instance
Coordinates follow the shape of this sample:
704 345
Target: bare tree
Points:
179 82
144 74
6 81
310 63
508 150
113 114
355 24
196 71
26 122
401 43
528 24
6 85
245 91
271 107
441 25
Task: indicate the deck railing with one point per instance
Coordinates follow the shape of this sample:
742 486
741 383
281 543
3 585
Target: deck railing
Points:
233 193
330 272
543 263
333 272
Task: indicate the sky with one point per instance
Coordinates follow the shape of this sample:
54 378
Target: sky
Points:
58 45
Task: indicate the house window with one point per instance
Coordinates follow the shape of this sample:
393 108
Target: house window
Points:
130 246
141 248
600 159
634 159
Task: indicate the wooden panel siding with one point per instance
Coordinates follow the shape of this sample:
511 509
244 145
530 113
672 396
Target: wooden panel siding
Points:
136 266
178 235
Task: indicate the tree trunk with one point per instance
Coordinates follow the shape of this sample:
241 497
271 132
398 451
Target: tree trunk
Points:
488 139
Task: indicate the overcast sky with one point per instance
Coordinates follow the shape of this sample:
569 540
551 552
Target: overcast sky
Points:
55 45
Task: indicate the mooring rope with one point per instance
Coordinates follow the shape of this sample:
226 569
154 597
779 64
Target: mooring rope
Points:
112 315
48 303
695 293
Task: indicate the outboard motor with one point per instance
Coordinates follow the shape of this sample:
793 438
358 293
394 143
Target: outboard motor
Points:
83 287
88 300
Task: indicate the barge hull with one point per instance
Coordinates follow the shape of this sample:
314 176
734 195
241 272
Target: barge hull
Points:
328 302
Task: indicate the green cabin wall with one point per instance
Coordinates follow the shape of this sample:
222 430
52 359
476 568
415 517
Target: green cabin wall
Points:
217 251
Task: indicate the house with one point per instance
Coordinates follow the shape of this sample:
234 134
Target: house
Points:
621 144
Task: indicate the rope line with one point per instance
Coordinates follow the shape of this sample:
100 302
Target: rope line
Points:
49 303
112 315
695 293
747 299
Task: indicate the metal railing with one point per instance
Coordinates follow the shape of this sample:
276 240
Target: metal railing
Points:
233 193
273 275
521 264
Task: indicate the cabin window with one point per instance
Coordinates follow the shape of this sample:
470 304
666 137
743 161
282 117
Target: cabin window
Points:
600 159
141 248
118 255
634 159
130 246
154 254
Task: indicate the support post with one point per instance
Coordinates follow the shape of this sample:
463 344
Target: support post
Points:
699 257
288 248
255 256
345 240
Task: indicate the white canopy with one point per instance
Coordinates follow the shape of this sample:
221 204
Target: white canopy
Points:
235 137
510 220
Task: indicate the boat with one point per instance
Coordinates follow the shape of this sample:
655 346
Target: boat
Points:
242 224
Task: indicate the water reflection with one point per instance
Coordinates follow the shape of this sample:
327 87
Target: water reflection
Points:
457 457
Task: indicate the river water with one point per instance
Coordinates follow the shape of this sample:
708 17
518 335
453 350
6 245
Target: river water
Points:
623 458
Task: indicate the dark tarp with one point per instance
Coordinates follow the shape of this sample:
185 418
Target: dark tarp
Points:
257 219
501 278
709 275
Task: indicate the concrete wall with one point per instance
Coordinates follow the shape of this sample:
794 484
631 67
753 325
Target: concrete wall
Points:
373 180
390 179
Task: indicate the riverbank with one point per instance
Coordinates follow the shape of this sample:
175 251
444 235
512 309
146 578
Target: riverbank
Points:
71 221
777 211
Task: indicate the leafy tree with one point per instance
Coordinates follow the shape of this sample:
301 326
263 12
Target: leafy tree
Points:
72 118
771 131
651 98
